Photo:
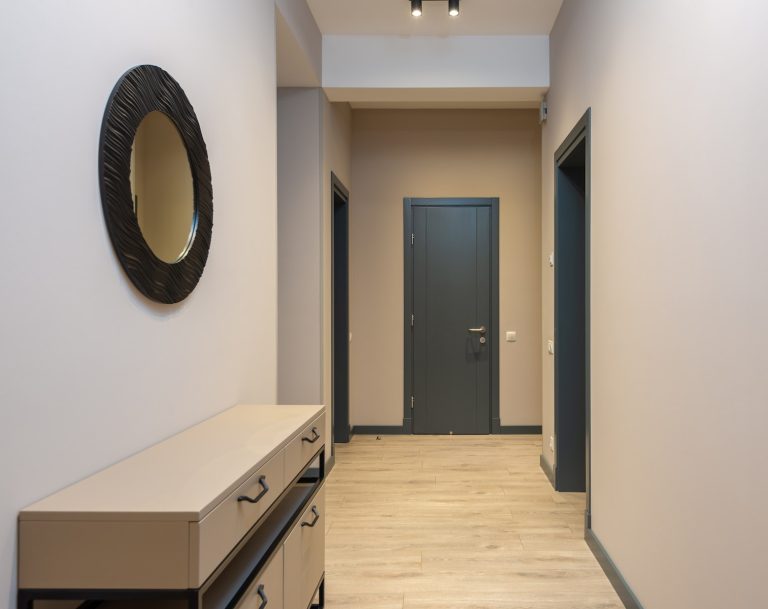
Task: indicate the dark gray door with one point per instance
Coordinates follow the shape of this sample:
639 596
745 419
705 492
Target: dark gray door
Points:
452 319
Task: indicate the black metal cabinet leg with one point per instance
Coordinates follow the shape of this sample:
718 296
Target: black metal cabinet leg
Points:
25 600
321 596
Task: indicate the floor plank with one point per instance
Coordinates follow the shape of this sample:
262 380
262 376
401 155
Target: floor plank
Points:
464 522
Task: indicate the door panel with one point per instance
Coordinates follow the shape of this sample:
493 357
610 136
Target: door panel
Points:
451 294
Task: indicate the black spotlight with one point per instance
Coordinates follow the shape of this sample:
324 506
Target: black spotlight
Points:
453 8
416 8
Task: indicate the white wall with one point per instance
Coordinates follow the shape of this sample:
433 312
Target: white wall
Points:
435 69
442 153
435 61
679 289
91 372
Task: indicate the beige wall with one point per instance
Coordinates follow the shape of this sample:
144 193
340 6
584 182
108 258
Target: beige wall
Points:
337 158
423 153
679 289
299 216
314 139
91 371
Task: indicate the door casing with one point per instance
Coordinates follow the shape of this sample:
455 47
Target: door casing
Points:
580 134
408 204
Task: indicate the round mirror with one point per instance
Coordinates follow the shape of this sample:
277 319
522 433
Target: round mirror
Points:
162 187
155 182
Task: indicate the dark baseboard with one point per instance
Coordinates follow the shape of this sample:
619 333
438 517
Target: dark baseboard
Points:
388 430
378 430
498 428
550 473
521 430
612 572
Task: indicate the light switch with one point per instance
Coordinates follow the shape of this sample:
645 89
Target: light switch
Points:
350 337
551 347
511 336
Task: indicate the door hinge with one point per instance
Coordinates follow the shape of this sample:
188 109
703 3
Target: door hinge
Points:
412 320
413 238
412 401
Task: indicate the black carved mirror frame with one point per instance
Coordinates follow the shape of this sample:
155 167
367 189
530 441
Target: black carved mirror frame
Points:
139 91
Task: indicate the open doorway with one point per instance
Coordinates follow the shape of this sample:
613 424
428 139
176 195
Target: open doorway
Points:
340 290
572 312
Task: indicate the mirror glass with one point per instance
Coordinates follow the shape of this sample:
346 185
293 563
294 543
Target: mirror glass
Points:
162 187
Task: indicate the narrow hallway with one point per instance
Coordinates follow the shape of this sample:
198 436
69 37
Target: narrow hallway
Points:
464 522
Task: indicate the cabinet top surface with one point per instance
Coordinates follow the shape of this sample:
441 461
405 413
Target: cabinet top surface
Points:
185 476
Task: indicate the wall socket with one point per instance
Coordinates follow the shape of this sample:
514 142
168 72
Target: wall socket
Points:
552 444
551 347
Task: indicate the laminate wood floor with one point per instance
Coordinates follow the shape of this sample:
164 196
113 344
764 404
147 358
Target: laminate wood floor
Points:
464 522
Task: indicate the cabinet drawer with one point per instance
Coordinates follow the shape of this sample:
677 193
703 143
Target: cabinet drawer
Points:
305 554
266 591
216 534
302 447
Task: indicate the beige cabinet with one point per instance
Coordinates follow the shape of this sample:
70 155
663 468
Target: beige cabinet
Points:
229 504
216 534
305 555
266 591
303 446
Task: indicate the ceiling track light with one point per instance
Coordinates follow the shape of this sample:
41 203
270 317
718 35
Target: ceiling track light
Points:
453 7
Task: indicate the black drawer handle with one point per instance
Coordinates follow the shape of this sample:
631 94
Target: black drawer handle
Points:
265 489
264 599
314 520
312 440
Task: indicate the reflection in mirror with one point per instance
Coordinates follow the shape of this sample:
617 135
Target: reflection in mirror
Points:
162 187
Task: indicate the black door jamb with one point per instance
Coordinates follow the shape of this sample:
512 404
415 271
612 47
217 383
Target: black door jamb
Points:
339 311
581 133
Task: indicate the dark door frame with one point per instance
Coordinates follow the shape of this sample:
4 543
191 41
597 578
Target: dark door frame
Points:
339 407
493 337
581 133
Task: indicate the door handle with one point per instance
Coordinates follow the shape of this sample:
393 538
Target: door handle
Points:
480 330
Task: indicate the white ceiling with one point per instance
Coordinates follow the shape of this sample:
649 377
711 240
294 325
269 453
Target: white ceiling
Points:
477 18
